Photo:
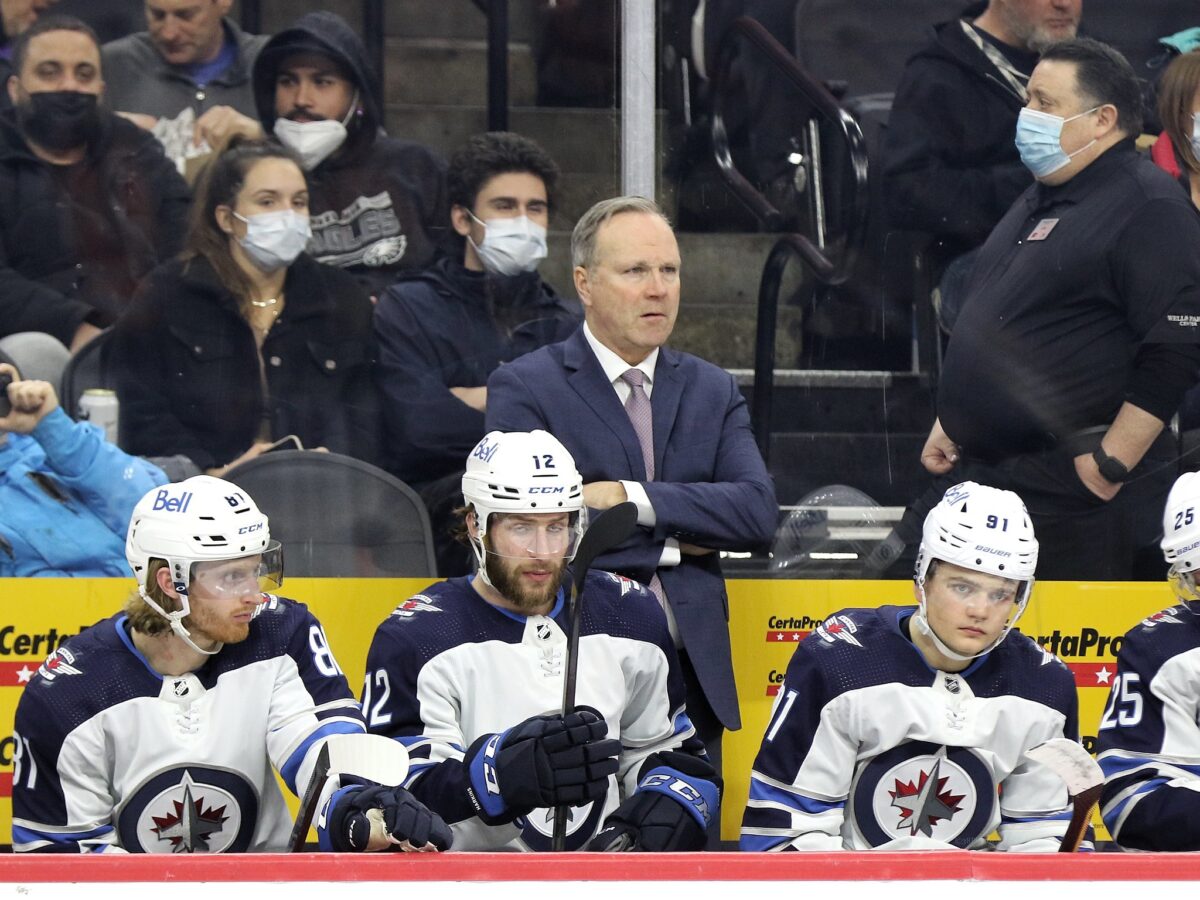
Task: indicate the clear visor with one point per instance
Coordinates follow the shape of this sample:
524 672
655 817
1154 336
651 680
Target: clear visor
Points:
533 537
1183 584
967 592
262 572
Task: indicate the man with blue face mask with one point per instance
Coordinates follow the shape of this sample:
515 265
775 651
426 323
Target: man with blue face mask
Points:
444 329
1078 337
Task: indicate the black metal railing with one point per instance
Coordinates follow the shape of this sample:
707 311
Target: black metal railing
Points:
374 32
830 262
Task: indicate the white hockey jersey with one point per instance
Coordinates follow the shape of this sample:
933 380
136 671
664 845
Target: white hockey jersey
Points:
447 667
112 755
867 745
1149 737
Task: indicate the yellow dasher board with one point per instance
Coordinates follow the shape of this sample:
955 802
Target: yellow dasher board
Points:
1082 622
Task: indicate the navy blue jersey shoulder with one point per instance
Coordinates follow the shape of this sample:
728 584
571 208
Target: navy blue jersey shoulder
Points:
273 631
620 607
86 675
446 615
1159 638
1019 667
858 648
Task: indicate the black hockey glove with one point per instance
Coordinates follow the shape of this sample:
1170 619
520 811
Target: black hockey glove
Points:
544 761
671 809
346 824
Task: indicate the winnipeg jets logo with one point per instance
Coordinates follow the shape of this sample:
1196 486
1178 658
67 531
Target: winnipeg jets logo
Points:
923 804
838 628
60 662
414 605
1162 618
190 822
919 788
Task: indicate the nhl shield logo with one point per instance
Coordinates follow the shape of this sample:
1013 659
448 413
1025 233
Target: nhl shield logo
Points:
918 788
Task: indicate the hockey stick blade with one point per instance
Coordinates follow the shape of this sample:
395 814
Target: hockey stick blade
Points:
607 530
372 757
1084 780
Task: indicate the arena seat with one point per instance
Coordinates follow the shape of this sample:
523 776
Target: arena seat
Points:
339 517
88 368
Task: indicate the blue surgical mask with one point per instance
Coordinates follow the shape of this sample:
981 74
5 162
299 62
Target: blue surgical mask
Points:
1039 141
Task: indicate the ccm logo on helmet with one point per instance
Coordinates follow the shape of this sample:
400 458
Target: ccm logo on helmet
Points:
246 529
163 500
546 490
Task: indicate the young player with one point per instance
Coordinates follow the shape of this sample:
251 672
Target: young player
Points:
158 730
468 674
907 727
1149 739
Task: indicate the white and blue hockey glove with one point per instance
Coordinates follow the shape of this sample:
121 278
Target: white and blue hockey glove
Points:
675 800
544 761
368 816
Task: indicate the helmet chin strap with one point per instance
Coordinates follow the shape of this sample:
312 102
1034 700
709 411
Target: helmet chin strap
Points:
926 629
175 620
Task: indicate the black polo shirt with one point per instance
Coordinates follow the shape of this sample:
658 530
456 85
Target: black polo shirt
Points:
1085 295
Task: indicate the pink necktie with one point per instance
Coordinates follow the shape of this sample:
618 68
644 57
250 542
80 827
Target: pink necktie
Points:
637 407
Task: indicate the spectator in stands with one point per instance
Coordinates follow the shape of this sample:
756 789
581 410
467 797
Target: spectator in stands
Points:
66 494
442 331
649 424
378 203
1078 336
192 58
950 169
88 202
15 17
1178 149
245 339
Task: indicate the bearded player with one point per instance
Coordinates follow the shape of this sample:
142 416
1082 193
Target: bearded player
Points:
468 674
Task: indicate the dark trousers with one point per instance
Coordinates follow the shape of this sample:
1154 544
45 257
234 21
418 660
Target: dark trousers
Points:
1080 536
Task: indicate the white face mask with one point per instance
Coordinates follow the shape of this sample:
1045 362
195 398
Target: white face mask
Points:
274 239
510 246
313 142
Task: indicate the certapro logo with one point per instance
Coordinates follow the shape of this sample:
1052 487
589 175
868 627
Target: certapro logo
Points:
190 809
918 788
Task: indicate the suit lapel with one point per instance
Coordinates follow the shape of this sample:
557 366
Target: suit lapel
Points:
664 402
587 380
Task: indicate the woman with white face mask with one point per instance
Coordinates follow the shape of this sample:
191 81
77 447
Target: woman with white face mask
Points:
245 339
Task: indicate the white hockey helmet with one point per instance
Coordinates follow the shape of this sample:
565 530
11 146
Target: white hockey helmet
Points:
984 529
1181 535
522 472
202 519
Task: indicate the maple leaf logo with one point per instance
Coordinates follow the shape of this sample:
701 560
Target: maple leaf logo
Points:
924 804
189 827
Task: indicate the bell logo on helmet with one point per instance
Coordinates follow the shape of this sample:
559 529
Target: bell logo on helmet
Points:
164 501
484 451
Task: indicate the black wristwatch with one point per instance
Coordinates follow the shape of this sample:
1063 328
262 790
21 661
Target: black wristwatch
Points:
1111 468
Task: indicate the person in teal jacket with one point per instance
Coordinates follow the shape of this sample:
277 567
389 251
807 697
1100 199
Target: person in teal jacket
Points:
66 494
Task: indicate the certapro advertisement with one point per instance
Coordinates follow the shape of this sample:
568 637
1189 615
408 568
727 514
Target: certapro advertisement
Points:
1082 623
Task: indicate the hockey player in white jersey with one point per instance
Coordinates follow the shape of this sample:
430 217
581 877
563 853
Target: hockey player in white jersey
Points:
1149 737
468 674
907 727
160 729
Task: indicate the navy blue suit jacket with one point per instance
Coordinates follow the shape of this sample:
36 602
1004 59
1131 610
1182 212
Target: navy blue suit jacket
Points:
711 486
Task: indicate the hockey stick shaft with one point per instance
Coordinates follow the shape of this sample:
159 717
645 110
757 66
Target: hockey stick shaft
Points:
608 530
308 806
1081 814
